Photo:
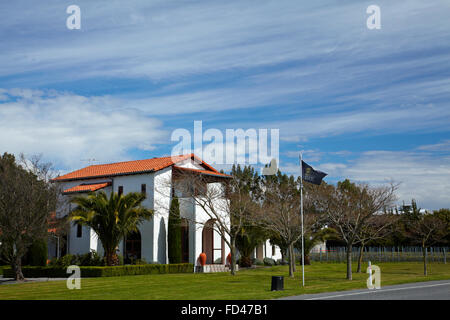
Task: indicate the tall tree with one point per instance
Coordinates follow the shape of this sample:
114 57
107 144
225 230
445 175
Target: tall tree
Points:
250 235
350 207
426 230
226 202
313 238
174 232
444 215
26 201
111 218
280 212
378 226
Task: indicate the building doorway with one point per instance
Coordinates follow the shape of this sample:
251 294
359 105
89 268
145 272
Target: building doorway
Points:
132 247
212 244
208 241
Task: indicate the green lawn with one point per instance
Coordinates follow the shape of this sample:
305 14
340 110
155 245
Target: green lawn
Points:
247 284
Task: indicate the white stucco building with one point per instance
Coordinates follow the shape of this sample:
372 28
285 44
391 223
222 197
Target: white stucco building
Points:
155 178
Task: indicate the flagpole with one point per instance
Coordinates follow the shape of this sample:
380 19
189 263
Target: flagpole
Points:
301 214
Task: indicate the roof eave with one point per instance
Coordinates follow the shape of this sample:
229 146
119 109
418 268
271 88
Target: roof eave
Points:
104 176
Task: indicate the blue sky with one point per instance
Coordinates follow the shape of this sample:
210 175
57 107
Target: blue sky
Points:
370 105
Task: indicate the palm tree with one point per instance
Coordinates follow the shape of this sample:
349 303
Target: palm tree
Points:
112 219
246 242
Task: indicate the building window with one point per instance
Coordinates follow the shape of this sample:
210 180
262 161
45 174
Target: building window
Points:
273 250
144 189
120 190
79 231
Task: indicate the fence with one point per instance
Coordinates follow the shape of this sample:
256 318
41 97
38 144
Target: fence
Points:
382 254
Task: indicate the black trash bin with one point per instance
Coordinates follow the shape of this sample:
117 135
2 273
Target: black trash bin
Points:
277 283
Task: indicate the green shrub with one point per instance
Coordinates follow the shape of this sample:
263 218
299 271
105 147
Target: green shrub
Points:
140 261
268 262
97 260
68 260
133 261
282 262
104 271
37 254
258 262
245 262
84 259
88 259
38 272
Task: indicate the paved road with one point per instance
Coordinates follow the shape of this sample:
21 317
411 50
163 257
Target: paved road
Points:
430 290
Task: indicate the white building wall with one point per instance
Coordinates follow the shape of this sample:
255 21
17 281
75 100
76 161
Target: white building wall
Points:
132 183
162 200
153 232
202 217
187 211
268 251
79 245
320 247
190 164
94 242
272 251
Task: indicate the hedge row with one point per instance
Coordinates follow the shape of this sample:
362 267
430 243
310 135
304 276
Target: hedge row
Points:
89 272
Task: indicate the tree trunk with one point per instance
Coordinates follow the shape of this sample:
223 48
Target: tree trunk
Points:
307 260
17 268
283 255
233 257
424 253
291 258
108 256
111 258
294 268
349 261
361 252
245 262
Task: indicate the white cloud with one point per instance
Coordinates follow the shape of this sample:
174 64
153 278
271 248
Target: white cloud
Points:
327 46
67 128
438 147
422 176
294 138
308 155
316 65
340 153
389 119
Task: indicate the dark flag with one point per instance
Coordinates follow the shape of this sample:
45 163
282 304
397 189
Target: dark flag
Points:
311 175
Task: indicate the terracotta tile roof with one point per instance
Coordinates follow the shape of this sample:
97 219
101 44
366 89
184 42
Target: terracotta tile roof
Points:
87 187
129 167
207 172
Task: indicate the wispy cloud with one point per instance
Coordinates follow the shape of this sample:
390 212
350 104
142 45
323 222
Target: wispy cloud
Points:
421 176
312 70
67 128
443 146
